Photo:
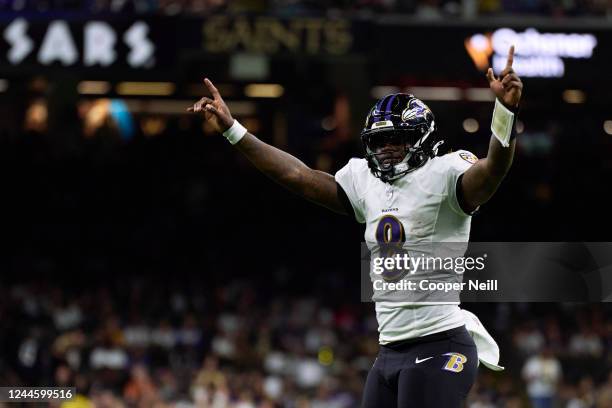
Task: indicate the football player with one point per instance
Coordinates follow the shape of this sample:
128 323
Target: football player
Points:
427 357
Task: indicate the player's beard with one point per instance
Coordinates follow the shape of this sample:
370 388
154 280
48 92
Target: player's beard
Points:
391 156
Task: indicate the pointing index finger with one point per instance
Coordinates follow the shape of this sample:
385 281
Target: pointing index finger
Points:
510 57
211 88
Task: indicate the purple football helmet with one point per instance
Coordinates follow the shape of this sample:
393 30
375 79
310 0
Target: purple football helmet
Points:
399 119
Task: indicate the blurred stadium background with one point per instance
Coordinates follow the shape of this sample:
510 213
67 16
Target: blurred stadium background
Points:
146 262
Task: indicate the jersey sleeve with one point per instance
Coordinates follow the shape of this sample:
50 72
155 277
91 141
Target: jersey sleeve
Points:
346 177
458 163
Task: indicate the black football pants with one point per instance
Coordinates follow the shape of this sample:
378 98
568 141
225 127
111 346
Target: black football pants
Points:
435 371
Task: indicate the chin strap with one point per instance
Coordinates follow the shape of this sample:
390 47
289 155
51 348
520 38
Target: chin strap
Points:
435 148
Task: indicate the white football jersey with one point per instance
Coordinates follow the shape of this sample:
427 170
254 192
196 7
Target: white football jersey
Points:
425 202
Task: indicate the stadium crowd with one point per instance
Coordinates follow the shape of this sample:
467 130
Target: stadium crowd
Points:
419 8
142 342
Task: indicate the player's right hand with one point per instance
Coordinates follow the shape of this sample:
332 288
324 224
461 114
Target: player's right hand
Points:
215 110
508 88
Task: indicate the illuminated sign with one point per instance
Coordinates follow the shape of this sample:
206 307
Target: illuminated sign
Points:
271 35
536 54
99 42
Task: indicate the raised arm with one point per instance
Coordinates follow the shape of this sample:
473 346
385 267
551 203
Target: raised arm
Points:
479 182
285 169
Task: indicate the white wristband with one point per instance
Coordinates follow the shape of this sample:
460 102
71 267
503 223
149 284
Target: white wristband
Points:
235 132
501 125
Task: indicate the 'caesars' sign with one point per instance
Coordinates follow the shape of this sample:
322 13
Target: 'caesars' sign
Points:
99 44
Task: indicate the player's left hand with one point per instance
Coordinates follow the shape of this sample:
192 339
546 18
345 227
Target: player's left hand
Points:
508 87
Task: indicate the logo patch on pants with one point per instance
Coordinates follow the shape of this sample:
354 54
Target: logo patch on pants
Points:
455 362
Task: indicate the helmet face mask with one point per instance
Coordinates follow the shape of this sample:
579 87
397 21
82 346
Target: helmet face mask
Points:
396 122
376 142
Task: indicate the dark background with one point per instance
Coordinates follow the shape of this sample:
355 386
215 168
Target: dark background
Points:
171 232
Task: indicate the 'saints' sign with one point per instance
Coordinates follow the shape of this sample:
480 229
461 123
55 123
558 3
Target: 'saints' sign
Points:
271 35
